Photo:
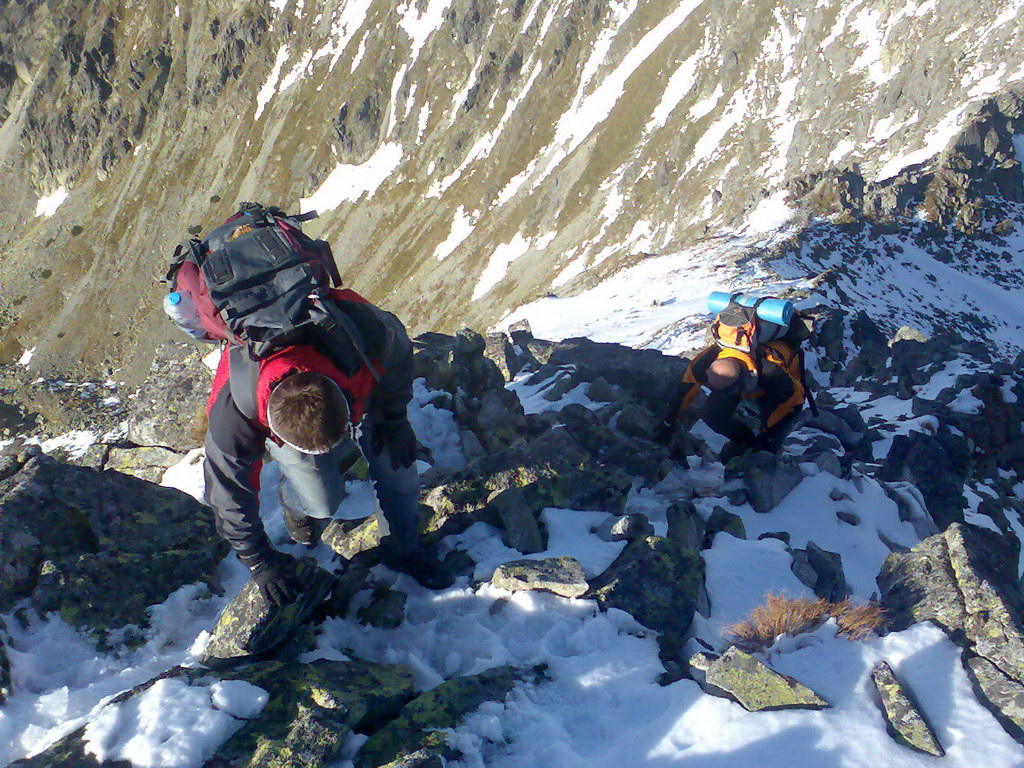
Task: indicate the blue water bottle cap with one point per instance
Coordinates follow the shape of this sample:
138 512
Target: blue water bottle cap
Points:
174 298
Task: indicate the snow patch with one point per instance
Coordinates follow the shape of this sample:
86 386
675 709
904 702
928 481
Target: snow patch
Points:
47 206
347 183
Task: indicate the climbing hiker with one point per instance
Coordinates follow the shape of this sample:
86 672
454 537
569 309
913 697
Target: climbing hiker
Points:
302 366
755 357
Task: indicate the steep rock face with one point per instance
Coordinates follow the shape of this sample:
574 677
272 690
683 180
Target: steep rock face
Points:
570 137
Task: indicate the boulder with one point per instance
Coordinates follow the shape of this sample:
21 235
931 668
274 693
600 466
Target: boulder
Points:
312 709
1000 694
904 720
167 409
938 465
386 609
250 626
964 580
721 520
520 527
821 571
99 547
767 479
738 676
625 528
685 526
148 463
645 375
562 575
657 581
417 736
348 540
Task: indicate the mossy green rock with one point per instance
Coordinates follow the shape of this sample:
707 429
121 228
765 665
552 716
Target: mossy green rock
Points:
386 609
657 581
755 686
964 580
350 541
250 626
413 738
146 463
313 708
906 723
99 547
562 575
1001 695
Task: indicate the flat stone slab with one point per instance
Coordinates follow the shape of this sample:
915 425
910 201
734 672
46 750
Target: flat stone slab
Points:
906 723
562 575
752 684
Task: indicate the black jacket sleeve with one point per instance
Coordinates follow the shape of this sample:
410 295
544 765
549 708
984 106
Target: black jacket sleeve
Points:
394 391
234 456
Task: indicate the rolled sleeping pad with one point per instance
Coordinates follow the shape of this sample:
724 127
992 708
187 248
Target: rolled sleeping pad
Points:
778 311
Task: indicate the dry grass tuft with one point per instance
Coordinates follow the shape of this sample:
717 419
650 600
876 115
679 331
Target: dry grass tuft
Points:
857 622
782 615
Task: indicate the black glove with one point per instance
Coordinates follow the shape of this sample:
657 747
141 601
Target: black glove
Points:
274 574
398 437
664 431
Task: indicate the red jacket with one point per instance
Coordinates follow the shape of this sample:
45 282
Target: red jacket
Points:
235 443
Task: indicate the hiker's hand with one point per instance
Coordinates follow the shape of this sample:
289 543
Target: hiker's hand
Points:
397 436
274 574
664 431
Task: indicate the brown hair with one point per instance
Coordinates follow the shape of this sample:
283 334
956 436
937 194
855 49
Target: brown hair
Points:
308 411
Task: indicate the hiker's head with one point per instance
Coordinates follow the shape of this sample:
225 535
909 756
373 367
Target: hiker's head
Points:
308 411
724 373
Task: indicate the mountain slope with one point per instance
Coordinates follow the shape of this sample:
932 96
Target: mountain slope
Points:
467 157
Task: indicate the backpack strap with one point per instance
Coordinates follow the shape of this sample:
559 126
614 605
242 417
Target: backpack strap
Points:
808 395
243 374
340 333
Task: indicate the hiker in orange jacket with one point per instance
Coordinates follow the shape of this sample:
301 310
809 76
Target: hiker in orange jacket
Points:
770 377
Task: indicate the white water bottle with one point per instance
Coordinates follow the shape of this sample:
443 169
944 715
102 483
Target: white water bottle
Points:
179 307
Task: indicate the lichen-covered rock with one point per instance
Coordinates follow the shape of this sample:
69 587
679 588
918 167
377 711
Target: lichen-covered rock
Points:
520 528
722 520
562 575
767 479
249 625
906 723
964 580
145 463
820 570
311 710
755 686
164 410
386 609
99 547
1001 695
625 528
685 526
349 541
415 736
658 582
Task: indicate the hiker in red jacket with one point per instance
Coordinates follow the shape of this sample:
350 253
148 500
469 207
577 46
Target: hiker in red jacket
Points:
303 411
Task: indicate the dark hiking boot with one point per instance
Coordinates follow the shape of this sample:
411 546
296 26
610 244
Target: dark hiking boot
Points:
424 566
301 529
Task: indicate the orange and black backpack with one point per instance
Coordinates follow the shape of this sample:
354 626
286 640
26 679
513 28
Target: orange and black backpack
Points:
741 329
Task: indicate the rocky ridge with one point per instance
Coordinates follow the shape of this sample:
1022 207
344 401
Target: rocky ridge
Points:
526 448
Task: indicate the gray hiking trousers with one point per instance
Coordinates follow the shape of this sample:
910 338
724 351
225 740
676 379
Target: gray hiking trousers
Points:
314 485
